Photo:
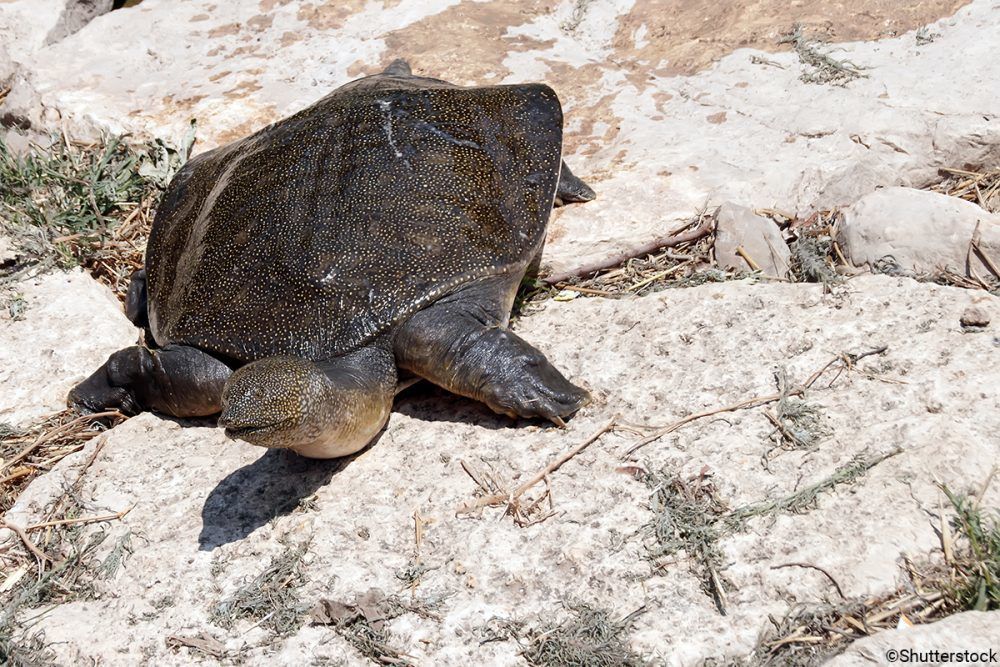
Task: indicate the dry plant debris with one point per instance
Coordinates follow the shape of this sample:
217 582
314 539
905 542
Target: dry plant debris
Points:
55 561
839 364
686 517
968 578
979 187
588 636
798 425
364 624
821 67
203 643
25 454
689 516
86 204
271 598
682 259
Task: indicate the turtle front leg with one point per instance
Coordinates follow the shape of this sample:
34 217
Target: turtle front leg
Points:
176 380
473 356
320 410
571 188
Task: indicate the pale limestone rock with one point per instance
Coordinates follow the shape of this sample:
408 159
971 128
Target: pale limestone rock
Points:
917 232
200 499
8 253
739 227
69 326
657 146
75 15
28 25
7 67
972 631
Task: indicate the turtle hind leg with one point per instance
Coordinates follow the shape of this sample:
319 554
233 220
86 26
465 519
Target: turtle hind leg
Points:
176 380
398 67
454 347
571 189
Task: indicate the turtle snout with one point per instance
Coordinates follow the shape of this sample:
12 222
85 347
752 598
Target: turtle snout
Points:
262 401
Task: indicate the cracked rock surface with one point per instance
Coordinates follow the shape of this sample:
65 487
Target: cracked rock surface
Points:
208 513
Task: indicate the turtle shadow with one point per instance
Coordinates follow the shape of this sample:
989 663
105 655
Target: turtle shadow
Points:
429 403
249 497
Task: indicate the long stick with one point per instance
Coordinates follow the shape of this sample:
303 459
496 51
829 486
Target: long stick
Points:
79 520
742 405
621 257
847 360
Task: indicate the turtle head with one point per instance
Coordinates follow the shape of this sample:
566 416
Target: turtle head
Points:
267 403
292 403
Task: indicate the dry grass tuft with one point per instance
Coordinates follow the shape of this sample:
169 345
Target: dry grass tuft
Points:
271 598
587 636
83 204
821 67
798 424
689 516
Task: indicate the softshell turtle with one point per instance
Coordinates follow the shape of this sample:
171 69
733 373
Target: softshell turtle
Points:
291 273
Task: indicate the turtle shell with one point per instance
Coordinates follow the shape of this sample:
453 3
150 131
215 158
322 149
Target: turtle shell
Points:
326 229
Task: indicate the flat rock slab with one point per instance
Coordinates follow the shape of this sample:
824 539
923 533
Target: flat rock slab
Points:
663 118
66 325
208 513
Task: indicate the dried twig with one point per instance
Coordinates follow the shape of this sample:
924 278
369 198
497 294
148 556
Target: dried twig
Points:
509 498
55 433
80 520
847 361
741 251
829 576
17 530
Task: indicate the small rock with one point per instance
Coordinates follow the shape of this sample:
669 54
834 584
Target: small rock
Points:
974 316
739 227
969 632
916 232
